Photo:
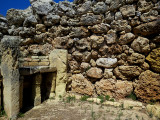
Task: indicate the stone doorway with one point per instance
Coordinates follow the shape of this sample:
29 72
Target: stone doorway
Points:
36 89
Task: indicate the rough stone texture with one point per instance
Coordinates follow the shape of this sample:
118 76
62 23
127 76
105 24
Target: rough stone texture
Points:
10 73
100 28
147 88
90 19
100 7
149 16
127 72
136 58
111 37
118 89
128 10
42 8
127 104
147 28
154 60
141 45
123 89
127 38
108 73
95 73
58 59
154 109
105 87
107 62
81 85
36 87
102 33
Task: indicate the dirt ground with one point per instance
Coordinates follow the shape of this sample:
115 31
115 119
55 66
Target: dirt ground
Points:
81 110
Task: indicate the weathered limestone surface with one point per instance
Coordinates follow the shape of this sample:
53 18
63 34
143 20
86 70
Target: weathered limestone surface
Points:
147 87
36 87
58 59
154 109
81 85
154 59
10 73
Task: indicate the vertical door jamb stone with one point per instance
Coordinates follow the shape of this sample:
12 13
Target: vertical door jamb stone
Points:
10 73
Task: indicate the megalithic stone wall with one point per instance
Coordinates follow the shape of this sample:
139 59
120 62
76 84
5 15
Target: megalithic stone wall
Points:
10 73
110 43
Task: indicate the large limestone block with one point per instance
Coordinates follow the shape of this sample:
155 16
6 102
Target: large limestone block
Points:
147 88
58 59
127 72
154 59
147 28
81 85
37 89
10 73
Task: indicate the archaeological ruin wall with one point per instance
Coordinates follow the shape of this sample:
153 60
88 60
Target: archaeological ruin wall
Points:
99 47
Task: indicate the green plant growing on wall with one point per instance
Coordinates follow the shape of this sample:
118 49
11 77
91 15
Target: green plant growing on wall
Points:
84 98
132 96
107 97
70 99
2 112
20 115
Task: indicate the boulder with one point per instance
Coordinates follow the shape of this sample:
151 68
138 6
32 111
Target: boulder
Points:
17 17
136 58
108 73
121 25
86 7
95 72
126 38
147 88
100 28
127 72
79 32
128 10
149 16
105 87
51 19
123 89
107 62
117 89
84 66
82 44
90 19
154 59
30 21
115 4
109 17
100 8
118 16
147 28
42 8
144 6
141 45
96 41
81 85
74 66
40 28
110 37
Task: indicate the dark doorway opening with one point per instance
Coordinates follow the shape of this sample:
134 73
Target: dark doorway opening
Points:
47 86
28 101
